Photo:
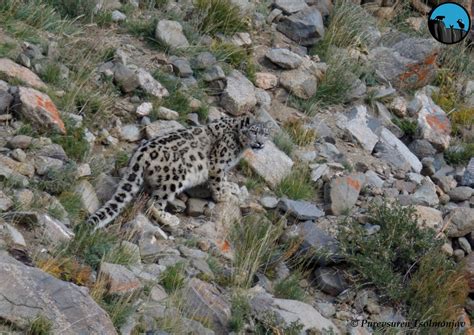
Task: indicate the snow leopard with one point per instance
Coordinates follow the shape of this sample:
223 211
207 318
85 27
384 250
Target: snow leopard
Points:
181 159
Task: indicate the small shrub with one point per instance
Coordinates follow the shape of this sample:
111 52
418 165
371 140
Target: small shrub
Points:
289 288
103 18
240 312
71 202
390 257
26 129
408 127
299 134
67 269
173 277
73 142
219 16
460 155
51 73
57 181
297 185
40 326
284 142
255 243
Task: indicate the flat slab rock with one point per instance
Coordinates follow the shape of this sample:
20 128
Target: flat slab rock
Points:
343 192
302 210
270 163
27 292
12 70
239 95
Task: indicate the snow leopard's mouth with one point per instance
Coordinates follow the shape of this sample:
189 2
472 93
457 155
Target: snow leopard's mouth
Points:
257 146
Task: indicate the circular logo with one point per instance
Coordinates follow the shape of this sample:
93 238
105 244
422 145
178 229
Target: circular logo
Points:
449 23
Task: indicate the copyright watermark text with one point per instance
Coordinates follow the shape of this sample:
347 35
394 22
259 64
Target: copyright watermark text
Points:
407 324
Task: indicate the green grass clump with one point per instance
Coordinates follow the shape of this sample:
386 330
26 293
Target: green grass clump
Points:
240 58
297 185
73 142
408 127
255 241
59 180
74 8
219 17
289 288
6 49
460 155
253 181
121 159
347 28
240 312
405 264
284 142
40 326
299 134
71 202
173 277
51 73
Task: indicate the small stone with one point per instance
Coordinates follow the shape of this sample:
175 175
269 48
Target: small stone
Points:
88 196
468 177
119 279
330 281
299 82
274 14
45 164
447 249
125 78
398 106
16 237
150 85
269 202
290 6
118 16
55 231
302 210
160 128
83 170
464 244
20 142
5 202
319 171
433 123
144 109
429 217
461 193
130 133
266 80
171 34
459 222
284 58
196 206
343 193
181 67
167 114
18 155
158 293
326 309
203 60
304 27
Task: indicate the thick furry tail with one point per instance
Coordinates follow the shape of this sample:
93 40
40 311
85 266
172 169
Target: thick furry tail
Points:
127 189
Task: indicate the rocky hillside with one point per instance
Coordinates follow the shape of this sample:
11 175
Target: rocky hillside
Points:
357 215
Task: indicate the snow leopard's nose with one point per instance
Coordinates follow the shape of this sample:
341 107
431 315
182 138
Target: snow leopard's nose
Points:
258 145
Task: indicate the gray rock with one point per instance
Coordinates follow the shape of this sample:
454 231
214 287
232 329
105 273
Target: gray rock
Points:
459 222
54 230
27 292
54 151
357 126
326 309
18 155
197 206
144 109
204 301
461 193
125 78
45 164
270 163
323 248
290 6
305 27
429 217
330 281
119 279
239 95
89 199
6 100
39 110
9 70
160 128
20 142
302 210
319 171
150 85
130 133
299 82
422 148
274 14
284 58
118 16
269 202
15 236
213 73
171 34
105 186
373 179
433 123
181 67
343 192
203 60
425 195
5 202
167 114
464 244
392 150
468 177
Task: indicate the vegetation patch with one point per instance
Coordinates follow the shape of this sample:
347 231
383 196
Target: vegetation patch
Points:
297 185
219 16
40 326
73 142
173 277
59 180
459 155
408 127
284 142
299 133
240 58
405 264
289 288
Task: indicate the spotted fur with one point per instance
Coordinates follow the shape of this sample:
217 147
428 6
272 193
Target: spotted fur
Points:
181 159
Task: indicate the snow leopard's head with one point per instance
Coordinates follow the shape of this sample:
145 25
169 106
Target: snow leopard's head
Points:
255 135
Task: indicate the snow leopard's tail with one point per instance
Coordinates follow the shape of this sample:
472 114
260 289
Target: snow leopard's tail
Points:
127 189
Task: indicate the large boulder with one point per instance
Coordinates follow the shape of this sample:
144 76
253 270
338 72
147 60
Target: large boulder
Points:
12 71
305 27
27 292
39 109
343 192
171 34
239 95
299 82
459 222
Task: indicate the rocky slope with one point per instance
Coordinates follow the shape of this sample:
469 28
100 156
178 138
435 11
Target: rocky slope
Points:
360 210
